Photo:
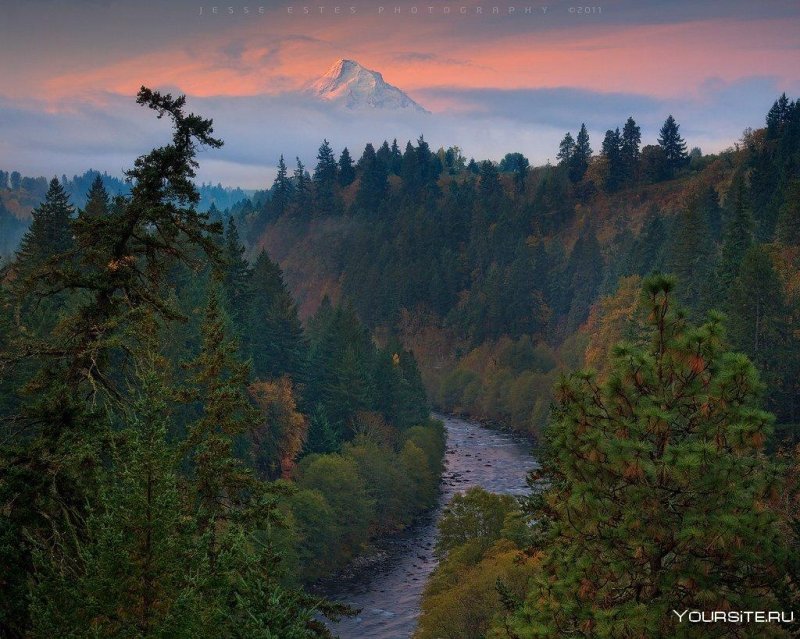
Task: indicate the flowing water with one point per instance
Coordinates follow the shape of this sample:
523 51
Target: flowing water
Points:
389 595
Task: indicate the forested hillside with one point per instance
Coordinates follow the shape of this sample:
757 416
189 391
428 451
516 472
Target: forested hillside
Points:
19 195
179 455
501 276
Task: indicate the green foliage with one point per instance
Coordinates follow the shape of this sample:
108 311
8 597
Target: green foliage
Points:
481 569
656 488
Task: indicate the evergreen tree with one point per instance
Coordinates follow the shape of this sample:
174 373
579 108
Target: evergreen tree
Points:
687 257
788 230
579 159
738 236
50 235
276 342
673 145
15 180
220 482
585 271
137 571
3 180
629 149
281 190
489 186
396 158
384 155
347 173
374 181
649 484
97 199
761 325
302 190
565 149
612 152
322 438
236 276
778 115
649 246
325 180
409 171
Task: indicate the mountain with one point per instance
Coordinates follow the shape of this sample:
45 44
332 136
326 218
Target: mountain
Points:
356 87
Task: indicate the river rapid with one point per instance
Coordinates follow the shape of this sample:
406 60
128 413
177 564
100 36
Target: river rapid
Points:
390 591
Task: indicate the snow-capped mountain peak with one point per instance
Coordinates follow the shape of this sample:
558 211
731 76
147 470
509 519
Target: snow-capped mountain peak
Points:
356 87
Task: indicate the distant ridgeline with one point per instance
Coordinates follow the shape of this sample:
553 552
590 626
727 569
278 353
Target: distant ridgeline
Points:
500 275
20 194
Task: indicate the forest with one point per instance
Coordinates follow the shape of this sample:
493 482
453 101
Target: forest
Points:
205 412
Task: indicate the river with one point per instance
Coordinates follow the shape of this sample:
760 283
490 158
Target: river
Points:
389 596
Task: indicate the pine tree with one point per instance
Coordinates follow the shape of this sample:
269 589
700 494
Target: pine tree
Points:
347 173
673 145
656 489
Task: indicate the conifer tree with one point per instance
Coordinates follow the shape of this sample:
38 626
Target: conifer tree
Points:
612 152
788 230
738 235
236 276
579 159
374 181
409 171
565 149
489 185
347 173
687 257
673 145
50 235
325 180
277 342
396 158
629 149
384 155
97 199
281 190
138 569
302 190
656 489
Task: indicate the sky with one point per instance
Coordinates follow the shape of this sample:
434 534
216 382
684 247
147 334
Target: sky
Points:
498 76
